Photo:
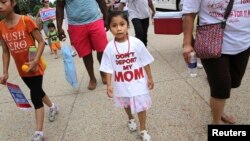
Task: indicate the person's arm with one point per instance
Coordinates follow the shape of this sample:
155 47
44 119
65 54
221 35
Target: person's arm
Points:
38 37
151 5
60 4
109 4
121 6
109 86
150 78
6 62
38 13
188 25
103 7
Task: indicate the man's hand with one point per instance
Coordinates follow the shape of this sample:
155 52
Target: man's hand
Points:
61 34
106 26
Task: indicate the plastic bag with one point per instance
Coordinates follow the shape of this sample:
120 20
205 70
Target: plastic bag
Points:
69 65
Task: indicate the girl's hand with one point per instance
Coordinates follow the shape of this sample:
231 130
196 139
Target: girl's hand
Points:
186 51
32 66
150 83
3 79
110 91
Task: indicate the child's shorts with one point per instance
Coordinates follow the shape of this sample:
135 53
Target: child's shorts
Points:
55 46
137 103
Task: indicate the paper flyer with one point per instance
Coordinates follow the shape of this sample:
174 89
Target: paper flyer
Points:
18 96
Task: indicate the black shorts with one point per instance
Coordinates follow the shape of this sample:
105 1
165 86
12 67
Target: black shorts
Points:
36 91
225 73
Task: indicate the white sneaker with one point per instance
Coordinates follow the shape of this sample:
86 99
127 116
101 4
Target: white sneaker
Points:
199 66
132 125
37 137
145 136
52 113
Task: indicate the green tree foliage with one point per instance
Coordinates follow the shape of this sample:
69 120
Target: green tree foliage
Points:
36 9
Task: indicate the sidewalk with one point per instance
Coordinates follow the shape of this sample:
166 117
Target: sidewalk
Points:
180 110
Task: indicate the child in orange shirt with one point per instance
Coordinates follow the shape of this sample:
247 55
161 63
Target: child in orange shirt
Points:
55 42
16 35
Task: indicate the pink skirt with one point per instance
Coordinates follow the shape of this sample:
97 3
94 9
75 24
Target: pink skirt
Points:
137 103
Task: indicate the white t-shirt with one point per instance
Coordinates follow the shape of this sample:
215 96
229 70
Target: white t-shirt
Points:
126 64
137 8
237 32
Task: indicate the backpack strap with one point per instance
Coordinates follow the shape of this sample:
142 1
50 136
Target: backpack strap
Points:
23 20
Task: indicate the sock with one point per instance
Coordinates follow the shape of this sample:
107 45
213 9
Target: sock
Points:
53 105
39 132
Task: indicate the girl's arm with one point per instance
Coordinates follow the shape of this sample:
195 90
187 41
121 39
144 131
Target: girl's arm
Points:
6 62
150 79
109 86
188 25
38 37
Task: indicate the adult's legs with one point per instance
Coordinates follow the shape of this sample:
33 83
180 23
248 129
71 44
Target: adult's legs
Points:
99 58
217 107
145 25
138 27
219 79
89 64
238 64
99 41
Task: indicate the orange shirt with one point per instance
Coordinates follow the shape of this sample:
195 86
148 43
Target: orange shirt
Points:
18 39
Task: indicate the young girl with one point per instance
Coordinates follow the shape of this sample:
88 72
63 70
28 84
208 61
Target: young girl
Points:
126 61
55 43
16 34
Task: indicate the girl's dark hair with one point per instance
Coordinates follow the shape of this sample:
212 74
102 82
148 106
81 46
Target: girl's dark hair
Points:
113 14
51 25
16 7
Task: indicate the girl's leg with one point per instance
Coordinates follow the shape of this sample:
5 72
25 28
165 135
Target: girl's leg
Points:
128 111
142 119
47 101
39 114
37 94
131 122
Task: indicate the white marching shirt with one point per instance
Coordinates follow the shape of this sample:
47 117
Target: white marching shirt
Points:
126 61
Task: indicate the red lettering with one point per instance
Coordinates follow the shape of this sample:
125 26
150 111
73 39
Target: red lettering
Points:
138 73
119 77
128 76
